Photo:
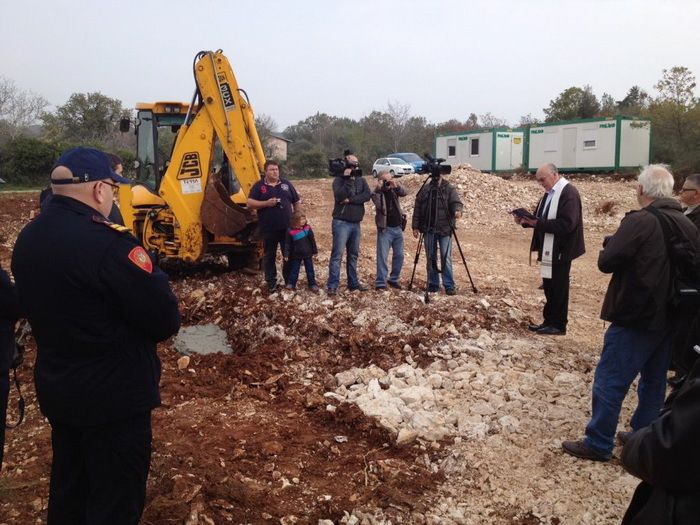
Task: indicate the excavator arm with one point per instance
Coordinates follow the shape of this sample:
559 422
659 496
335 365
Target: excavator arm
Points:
197 207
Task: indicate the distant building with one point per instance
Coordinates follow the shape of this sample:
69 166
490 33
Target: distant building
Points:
276 147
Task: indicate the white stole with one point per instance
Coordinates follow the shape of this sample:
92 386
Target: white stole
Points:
548 243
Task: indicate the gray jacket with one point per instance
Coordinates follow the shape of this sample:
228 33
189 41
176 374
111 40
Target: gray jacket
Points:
379 200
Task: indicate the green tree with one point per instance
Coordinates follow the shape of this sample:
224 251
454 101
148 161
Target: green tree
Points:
573 103
608 105
25 160
86 118
675 115
635 103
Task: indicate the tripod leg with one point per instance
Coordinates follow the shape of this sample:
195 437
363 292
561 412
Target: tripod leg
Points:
461 254
415 261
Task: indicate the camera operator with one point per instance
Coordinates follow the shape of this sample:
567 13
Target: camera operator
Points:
350 192
390 220
9 312
437 207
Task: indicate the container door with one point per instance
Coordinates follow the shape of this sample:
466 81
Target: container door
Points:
516 152
568 158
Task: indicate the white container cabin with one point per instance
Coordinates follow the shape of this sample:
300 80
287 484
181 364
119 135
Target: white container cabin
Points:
491 150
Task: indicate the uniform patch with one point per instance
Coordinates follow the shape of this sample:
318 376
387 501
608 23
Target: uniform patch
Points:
140 258
285 187
263 189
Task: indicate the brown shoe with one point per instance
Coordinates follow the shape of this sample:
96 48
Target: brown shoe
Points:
579 449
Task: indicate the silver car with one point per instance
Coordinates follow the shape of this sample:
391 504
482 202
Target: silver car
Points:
393 165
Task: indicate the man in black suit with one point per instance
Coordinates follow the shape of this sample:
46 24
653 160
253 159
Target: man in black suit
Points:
690 198
558 240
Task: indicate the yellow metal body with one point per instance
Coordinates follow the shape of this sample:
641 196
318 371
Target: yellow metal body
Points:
170 222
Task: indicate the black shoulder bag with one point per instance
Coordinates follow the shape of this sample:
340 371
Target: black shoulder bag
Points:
684 261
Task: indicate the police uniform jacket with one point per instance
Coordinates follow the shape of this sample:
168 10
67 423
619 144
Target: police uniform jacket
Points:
636 255
97 306
665 455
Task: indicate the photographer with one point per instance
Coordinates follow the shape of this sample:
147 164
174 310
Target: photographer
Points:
9 312
350 192
390 220
437 207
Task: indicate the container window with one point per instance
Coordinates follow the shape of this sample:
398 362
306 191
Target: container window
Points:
589 144
474 151
451 147
589 138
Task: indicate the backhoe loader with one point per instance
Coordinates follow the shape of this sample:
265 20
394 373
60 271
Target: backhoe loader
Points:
181 206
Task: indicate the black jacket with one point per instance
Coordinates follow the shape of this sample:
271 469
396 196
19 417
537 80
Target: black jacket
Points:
9 313
567 228
97 306
356 190
636 255
299 243
694 217
666 457
435 210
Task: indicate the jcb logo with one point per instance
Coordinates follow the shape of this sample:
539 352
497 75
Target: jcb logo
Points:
226 96
190 166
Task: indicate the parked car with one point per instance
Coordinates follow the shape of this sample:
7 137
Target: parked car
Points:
395 166
410 158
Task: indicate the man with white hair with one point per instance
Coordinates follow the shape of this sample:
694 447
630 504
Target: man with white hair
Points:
636 305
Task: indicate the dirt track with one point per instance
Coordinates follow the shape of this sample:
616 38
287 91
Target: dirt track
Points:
249 438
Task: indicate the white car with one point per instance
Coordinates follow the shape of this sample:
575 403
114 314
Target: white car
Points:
393 165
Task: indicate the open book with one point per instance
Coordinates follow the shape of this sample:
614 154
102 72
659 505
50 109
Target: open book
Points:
523 213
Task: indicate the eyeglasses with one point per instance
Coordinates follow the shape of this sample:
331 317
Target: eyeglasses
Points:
683 190
115 187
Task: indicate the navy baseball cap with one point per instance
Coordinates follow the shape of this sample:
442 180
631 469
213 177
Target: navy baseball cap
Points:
87 165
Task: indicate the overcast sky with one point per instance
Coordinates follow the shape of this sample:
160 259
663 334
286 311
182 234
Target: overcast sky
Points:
444 58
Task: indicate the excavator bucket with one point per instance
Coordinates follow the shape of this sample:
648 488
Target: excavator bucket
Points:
219 214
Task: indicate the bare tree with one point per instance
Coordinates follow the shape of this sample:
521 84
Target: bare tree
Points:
399 114
490 121
19 108
266 126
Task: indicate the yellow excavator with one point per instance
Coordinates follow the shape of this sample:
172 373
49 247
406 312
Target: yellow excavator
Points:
191 200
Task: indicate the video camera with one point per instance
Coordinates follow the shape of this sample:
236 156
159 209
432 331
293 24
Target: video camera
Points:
337 167
434 167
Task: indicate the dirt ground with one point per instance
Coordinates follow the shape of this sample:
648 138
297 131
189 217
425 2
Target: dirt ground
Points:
251 438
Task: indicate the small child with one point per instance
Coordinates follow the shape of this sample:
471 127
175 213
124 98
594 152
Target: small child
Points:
300 246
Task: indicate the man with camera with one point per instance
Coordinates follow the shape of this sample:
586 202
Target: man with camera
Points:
350 192
275 199
437 208
390 220
637 306
558 239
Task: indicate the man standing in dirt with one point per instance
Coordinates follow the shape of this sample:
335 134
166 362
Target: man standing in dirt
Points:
350 192
389 218
636 305
97 306
437 208
275 199
558 239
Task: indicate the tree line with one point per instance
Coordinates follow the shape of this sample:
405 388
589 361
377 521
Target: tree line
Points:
31 138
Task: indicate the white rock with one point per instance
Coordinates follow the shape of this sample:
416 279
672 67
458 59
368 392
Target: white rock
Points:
406 436
416 394
346 378
482 408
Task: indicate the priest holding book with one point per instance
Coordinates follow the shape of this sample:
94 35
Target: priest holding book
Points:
558 239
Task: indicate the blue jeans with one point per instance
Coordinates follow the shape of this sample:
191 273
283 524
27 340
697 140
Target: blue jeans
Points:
389 238
443 261
346 236
295 266
626 353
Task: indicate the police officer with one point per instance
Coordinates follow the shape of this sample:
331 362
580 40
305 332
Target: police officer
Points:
97 305
9 312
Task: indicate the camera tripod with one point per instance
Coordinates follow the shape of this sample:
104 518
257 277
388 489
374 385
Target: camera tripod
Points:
433 206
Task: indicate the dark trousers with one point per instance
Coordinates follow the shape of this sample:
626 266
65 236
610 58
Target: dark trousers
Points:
685 330
98 473
295 266
4 396
556 291
271 240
